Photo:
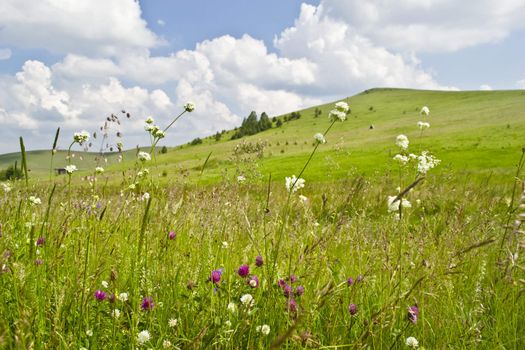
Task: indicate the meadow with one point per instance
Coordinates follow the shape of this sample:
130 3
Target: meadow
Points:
381 246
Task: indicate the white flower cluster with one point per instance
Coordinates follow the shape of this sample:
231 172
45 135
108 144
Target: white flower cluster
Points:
70 169
412 342
294 182
393 205
154 130
402 159
319 138
143 337
423 125
340 111
247 300
6 187
34 200
144 156
81 137
264 329
425 162
189 106
425 110
241 178
402 141
99 170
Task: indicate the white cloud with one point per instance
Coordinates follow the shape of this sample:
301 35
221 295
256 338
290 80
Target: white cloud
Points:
521 84
92 27
161 23
5 54
429 25
485 87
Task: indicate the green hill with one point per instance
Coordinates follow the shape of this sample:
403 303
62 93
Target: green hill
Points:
471 131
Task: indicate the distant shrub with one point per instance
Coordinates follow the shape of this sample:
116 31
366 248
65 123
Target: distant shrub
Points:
11 173
164 150
196 141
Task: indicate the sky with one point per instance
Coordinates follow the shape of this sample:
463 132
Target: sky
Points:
71 64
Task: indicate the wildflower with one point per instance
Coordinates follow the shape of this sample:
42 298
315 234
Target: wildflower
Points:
143 337
228 323
299 290
241 179
71 168
247 300
401 159
265 329
342 106
350 281
292 305
40 241
231 307
89 333
145 196
159 134
6 187
258 261
147 304
173 322
423 125
253 282
244 270
335 114
352 308
287 290
412 342
100 295
149 120
144 156
216 276
115 313
225 245
425 110
39 261
166 344
303 199
81 137
105 284
293 278
99 170
34 200
293 184
425 162
281 283
171 235
319 138
393 205
123 297
413 313
402 141
189 106
112 298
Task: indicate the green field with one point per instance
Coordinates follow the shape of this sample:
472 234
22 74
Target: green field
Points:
210 262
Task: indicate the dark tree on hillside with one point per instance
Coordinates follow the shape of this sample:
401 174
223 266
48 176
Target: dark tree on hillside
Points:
164 150
264 122
279 123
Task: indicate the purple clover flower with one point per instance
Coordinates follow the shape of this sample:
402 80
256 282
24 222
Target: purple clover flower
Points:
100 295
147 304
258 261
293 278
112 298
244 270
281 283
39 261
299 290
360 278
215 276
287 290
350 281
292 305
413 313
172 235
253 281
40 241
352 308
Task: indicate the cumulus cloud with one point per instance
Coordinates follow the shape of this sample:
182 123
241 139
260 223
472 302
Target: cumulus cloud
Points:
485 87
521 84
429 25
101 27
5 54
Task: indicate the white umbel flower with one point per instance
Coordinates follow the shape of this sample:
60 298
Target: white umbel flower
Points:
70 169
265 329
290 181
189 107
166 344
247 300
149 120
412 342
81 137
336 114
241 178
425 110
319 138
123 297
99 170
342 106
115 313
423 125
6 187
143 337
231 307
401 159
425 162
35 200
393 206
173 322
144 156
402 141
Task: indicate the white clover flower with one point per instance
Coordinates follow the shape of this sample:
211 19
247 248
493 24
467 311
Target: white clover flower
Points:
189 106
89 333
423 125
34 200
132 187
143 337
303 199
393 206
247 300
231 307
265 329
425 162
99 170
228 323
144 156
159 134
225 245
115 313
149 120
425 110
293 184
401 159
173 322
81 137
70 169
148 127
6 187
342 106
166 344
105 284
336 114
123 297
241 178
412 342
402 141
145 196
319 138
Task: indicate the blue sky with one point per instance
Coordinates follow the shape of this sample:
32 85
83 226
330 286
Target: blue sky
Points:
70 64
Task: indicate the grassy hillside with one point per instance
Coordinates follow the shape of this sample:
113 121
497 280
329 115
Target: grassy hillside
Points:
473 131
